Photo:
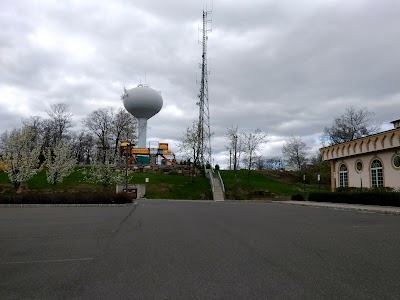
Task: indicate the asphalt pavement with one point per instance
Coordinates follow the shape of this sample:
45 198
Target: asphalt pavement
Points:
198 250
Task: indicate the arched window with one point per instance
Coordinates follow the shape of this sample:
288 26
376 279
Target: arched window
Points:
376 173
343 179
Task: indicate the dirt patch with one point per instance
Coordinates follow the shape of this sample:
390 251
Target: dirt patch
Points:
5 187
284 176
260 193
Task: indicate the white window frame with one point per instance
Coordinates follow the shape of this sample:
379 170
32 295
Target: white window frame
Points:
343 176
376 173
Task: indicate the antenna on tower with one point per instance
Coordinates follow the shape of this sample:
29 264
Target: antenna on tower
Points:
204 134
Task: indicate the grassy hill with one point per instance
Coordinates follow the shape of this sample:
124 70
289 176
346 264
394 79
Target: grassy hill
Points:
263 185
160 186
260 185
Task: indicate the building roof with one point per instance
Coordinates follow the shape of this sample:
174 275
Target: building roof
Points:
363 137
372 143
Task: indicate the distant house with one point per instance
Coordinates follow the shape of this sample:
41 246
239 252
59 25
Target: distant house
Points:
370 161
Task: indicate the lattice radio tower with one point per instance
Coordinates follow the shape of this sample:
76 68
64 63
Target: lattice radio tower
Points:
204 148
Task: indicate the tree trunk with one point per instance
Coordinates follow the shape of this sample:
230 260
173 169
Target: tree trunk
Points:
16 185
248 170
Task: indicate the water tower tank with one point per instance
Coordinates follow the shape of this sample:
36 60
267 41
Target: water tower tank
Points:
143 103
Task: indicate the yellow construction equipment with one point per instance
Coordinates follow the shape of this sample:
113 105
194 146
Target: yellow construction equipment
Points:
136 154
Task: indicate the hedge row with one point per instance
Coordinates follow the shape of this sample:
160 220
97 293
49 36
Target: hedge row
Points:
368 198
67 198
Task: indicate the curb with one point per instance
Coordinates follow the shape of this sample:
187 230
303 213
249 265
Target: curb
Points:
389 210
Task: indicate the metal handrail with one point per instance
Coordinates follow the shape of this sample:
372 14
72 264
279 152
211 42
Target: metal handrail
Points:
211 182
222 183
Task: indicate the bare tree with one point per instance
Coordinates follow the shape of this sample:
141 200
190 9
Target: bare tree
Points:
351 125
83 147
50 131
251 145
235 146
111 127
36 123
259 162
123 128
20 155
47 134
61 120
189 146
295 152
59 163
99 122
316 158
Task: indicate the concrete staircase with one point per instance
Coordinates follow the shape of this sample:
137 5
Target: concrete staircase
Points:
218 194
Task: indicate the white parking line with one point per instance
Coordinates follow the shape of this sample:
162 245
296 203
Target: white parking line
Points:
45 261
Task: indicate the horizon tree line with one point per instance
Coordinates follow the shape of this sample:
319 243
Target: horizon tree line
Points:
352 124
51 140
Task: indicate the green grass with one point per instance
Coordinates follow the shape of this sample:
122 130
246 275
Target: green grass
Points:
39 182
4 178
160 186
259 182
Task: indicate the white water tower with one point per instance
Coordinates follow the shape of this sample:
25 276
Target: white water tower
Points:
143 103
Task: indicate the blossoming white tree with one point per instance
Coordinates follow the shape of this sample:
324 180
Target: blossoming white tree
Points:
189 146
20 155
105 169
59 162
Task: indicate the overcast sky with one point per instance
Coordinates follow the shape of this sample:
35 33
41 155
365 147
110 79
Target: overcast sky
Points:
285 67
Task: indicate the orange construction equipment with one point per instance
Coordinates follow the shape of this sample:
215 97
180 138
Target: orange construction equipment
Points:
168 160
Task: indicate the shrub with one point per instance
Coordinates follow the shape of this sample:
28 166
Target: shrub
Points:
216 167
368 198
348 189
357 189
297 197
67 198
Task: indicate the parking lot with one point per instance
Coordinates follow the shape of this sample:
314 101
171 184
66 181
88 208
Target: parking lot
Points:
200 250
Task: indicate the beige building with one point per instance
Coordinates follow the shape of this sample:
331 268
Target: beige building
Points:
370 161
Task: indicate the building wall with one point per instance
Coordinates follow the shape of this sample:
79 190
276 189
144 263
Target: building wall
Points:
391 174
382 145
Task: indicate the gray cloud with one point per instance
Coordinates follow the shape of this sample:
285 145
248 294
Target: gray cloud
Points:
286 68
